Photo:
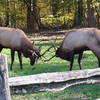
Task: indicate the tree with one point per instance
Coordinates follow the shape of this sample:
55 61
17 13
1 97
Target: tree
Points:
7 13
78 20
91 19
33 23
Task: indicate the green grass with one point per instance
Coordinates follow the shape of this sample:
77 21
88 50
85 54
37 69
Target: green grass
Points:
81 92
89 61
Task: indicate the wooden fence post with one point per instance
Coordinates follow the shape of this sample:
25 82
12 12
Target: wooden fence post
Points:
4 86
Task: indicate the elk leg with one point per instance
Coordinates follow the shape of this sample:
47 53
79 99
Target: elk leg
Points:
79 59
97 54
96 50
71 60
1 48
20 59
98 61
12 58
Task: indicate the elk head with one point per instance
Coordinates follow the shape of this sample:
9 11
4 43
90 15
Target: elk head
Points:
64 54
33 54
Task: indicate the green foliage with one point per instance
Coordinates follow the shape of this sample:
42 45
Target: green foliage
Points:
56 21
62 12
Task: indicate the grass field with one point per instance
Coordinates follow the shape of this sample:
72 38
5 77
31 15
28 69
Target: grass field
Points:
81 92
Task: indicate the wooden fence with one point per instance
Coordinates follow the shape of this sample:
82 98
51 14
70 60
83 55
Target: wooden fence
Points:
43 82
4 86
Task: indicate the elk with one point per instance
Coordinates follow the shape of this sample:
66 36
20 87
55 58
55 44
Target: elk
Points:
77 41
16 40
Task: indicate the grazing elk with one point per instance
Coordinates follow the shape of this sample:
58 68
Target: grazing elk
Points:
16 40
77 41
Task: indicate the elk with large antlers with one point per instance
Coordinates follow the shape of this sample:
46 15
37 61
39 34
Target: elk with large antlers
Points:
77 41
15 39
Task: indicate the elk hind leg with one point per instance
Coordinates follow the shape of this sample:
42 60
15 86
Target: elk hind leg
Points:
97 54
98 61
71 59
79 59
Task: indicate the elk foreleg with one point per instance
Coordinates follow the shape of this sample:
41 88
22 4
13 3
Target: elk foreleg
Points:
12 58
20 59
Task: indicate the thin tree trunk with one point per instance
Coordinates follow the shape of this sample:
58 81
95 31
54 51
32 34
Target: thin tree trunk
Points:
98 16
7 13
32 16
90 14
79 13
13 16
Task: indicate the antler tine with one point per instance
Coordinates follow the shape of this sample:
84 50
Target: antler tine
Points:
53 45
46 51
49 58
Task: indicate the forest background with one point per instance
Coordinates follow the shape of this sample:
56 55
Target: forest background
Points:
35 15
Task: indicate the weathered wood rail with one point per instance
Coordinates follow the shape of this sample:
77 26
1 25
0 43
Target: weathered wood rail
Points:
4 87
53 81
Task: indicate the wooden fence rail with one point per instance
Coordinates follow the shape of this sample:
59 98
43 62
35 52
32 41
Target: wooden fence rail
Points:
4 87
53 81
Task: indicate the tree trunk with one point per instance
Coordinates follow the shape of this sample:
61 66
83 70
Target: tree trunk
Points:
13 15
90 14
7 13
79 14
32 16
98 16
85 24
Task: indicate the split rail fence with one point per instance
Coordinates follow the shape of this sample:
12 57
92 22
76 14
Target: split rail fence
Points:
43 82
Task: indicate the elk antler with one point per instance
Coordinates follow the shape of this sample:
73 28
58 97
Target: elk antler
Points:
49 58
53 45
46 51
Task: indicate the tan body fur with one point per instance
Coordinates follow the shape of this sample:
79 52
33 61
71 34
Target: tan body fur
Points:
13 38
80 38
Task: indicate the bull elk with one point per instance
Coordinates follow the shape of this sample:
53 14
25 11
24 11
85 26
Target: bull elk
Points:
16 40
77 41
